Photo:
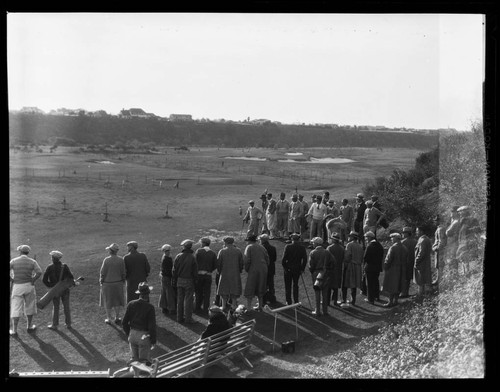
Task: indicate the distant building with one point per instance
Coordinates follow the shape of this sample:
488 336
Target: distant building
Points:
181 117
135 113
31 109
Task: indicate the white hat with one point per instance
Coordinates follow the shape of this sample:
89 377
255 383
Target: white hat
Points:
133 243
24 248
395 235
360 195
463 208
187 242
370 234
264 237
166 247
56 253
114 247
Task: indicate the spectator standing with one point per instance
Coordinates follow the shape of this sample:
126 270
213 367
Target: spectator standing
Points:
252 217
139 324
271 217
256 262
137 269
229 267
295 213
24 272
318 213
294 263
371 218
337 251
112 281
265 204
468 238
282 213
452 240
439 249
319 260
303 219
351 271
359 214
409 242
206 260
55 272
185 274
271 269
347 214
423 250
168 295
395 269
372 264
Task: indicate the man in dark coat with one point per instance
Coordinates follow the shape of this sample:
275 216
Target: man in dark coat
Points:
185 274
320 265
359 215
409 242
139 324
372 266
337 251
137 269
271 268
395 269
168 296
423 274
294 263
206 260
53 274
217 322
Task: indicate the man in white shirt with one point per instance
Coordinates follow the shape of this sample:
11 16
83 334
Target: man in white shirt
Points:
318 212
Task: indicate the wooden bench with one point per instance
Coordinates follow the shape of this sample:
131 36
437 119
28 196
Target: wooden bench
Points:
198 356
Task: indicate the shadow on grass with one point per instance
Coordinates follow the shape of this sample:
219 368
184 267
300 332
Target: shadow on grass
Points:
48 358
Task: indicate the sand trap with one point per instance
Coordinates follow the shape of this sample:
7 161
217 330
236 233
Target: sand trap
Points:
247 158
293 153
317 160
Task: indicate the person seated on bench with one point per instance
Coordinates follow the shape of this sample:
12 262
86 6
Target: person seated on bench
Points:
217 322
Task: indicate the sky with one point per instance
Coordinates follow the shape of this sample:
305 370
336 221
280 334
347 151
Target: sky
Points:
421 71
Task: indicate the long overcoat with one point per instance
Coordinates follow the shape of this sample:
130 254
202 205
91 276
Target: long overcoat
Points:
423 249
337 251
353 258
256 261
395 269
230 267
410 244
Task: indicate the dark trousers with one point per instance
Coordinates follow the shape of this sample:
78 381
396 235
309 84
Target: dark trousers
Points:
322 300
353 295
372 285
218 299
202 292
56 301
291 277
270 283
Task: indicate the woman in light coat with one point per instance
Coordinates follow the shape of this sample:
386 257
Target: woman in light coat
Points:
395 270
229 268
256 262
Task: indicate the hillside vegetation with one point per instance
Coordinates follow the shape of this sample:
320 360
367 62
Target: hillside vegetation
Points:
66 130
441 336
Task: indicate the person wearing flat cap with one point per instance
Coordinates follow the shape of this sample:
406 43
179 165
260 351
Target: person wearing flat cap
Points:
185 274
139 324
253 217
372 266
112 281
468 238
271 218
206 260
320 266
229 268
409 243
55 272
256 262
395 270
282 213
168 296
351 271
294 262
137 269
24 272
264 204
337 250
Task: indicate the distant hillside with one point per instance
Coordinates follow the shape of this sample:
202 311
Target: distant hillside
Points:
83 130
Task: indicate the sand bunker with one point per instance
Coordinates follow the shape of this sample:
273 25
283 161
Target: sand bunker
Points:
317 160
247 158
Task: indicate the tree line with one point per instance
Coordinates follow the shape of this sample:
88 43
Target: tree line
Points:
27 128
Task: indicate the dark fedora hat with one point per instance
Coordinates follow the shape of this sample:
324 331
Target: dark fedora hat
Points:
144 288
